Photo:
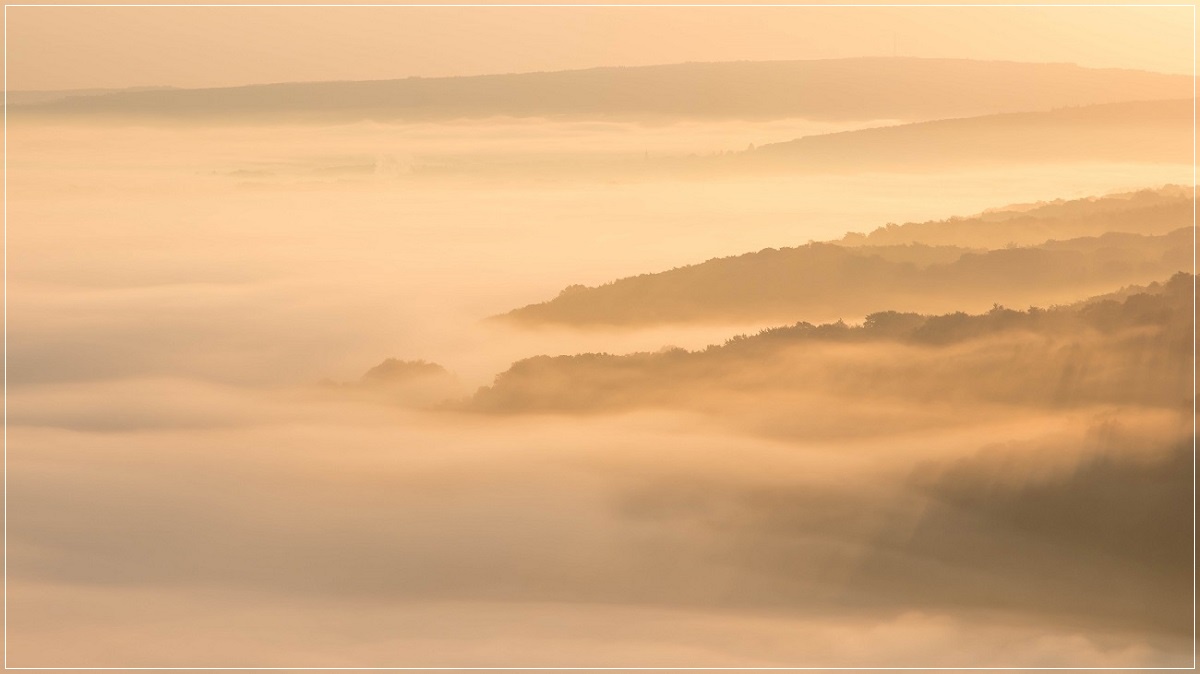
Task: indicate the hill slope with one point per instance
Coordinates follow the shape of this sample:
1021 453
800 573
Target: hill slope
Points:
1137 131
824 280
863 88
1143 212
1125 350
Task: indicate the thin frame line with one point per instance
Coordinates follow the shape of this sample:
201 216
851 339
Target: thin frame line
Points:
1193 336
563 5
747 5
6 336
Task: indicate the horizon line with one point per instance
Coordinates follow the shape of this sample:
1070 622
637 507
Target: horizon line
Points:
106 90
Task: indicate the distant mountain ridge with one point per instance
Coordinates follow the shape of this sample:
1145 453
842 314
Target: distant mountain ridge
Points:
1154 131
860 88
36 96
1112 241
1132 132
1145 211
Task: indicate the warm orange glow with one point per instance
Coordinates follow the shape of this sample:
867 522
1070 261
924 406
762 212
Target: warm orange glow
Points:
845 362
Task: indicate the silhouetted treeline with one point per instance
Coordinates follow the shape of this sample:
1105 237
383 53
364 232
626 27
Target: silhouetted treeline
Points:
1104 351
859 88
394 370
821 280
404 382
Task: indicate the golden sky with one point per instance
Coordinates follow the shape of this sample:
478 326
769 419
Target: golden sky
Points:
83 47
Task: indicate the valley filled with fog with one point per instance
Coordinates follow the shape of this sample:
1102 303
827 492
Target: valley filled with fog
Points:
771 385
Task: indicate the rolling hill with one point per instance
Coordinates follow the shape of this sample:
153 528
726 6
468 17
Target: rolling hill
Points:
827 280
861 89
1104 350
1157 131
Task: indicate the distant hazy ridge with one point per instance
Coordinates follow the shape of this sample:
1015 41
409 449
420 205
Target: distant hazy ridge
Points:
975 261
863 88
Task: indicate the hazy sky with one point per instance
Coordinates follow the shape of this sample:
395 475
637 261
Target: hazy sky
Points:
82 47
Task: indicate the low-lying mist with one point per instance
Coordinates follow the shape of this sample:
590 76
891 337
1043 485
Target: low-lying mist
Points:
336 525
155 251
256 416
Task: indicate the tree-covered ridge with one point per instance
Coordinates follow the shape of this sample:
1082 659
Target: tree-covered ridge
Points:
821 280
1157 305
1104 350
